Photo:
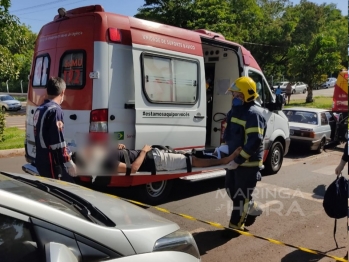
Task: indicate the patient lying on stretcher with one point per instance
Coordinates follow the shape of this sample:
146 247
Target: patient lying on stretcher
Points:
144 160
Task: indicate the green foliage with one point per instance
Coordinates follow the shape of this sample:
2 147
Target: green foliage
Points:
299 42
16 46
2 126
13 138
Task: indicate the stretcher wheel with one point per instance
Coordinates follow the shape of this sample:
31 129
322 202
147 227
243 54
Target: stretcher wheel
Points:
155 193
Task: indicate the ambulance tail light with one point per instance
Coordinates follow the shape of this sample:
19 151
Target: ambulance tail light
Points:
99 121
114 35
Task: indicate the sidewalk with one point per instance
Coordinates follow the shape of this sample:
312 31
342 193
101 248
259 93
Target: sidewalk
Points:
12 152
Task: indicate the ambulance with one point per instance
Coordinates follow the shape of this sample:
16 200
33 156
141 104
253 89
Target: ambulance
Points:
145 83
340 108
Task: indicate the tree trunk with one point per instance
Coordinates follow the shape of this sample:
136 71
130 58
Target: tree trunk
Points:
309 98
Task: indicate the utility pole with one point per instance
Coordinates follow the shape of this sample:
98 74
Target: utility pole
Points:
21 86
7 86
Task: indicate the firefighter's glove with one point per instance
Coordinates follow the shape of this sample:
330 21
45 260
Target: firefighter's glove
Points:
340 167
72 170
232 165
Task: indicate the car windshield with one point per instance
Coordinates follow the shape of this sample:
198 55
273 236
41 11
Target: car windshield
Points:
6 98
23 190
298 116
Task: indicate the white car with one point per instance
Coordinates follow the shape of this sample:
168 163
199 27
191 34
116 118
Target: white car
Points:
40 215
330 82
299 87
311 127
8 103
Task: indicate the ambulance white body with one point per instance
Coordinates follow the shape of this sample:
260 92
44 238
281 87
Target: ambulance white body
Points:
145 83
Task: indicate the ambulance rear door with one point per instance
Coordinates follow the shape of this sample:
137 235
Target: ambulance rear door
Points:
170 98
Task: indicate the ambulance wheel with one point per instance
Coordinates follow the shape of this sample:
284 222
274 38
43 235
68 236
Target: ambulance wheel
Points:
156 192
275 158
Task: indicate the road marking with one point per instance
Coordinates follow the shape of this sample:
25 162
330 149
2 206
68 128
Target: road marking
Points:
269 204
327 170
283 192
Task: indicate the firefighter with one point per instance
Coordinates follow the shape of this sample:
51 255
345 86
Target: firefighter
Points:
53 158
245 128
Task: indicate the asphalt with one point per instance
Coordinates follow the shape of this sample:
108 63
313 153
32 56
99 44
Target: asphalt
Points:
293 212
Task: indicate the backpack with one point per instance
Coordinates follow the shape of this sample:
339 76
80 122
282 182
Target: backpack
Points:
335 201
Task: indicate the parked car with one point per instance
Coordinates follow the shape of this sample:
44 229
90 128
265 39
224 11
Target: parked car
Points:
311 127
330 82
299 87
8 103
36 213
282 85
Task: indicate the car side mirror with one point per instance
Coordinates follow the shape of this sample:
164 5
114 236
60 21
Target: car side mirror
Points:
56 252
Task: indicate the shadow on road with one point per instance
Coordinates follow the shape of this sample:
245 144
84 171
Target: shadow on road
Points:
301 256
209 240
319 190
181 190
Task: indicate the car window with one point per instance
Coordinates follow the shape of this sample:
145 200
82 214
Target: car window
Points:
32 193
5 98
16 241
301 117
324 120
262 88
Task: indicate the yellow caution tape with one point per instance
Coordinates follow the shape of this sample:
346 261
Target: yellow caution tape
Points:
217 225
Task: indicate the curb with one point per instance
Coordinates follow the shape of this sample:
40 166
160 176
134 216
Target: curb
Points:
12 152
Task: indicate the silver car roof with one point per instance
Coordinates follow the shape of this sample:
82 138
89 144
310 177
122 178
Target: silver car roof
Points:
126 216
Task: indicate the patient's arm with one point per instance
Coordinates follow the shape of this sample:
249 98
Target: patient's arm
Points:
203 162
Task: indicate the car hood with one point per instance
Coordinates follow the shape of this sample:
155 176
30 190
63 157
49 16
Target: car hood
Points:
298 126
10 102
140 226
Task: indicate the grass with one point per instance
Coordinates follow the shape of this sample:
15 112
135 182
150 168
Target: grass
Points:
21 98
322 102
14 138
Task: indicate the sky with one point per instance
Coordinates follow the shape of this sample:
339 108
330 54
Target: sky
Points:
36 13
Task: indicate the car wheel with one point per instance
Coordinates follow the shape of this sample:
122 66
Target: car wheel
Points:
275 158
156 192
293 91
304 90
320 149
3 109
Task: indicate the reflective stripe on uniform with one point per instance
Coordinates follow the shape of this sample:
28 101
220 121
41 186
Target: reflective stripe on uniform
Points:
41 138
252 164
59 145
238 121
244 154
254 130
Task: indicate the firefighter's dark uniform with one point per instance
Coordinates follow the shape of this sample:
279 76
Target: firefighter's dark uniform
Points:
52 154
246 128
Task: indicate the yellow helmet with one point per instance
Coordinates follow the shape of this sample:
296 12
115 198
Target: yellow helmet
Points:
247 86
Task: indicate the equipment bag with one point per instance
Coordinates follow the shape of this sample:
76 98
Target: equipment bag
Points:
335 201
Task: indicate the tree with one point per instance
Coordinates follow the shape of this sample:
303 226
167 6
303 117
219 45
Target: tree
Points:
170 12
309 62
16 45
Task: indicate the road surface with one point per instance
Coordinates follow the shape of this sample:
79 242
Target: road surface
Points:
292 200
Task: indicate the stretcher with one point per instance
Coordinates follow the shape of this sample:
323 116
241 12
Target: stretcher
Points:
139 178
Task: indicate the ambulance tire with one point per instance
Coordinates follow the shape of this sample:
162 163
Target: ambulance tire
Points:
155 193
275 158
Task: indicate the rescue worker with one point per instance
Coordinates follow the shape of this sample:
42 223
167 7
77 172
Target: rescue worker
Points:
245 128
53 158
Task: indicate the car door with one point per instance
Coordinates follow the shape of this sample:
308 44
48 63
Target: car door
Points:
17 241
169 101
332 123
324 130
